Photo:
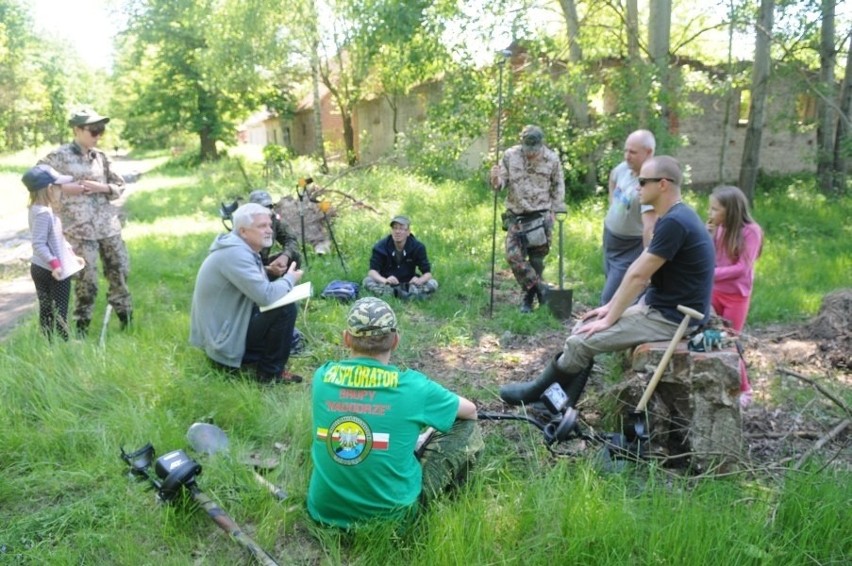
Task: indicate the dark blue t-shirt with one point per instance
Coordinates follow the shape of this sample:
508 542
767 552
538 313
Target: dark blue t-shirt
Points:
686 278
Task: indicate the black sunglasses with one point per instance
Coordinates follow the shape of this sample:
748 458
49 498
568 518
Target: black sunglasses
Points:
96 130
644 180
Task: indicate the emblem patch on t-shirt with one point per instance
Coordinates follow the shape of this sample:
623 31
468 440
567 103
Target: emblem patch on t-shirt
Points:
350 440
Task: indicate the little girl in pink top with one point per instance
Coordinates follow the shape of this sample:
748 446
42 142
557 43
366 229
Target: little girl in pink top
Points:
739 241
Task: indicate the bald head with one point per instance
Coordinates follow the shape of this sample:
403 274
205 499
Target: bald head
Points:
638 148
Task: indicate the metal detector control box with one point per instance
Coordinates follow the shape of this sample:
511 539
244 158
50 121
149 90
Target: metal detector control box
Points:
175 469
555 399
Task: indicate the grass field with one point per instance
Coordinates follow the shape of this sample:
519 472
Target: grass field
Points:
67 408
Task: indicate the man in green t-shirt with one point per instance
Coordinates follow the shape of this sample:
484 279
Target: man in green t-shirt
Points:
372 457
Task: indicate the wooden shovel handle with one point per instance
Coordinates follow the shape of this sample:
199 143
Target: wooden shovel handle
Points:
661 367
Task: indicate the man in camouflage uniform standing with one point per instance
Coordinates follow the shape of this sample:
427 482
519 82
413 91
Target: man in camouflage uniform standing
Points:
90 220
532 175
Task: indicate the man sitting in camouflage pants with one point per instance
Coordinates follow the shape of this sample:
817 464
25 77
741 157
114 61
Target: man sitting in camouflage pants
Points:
371 458
394 264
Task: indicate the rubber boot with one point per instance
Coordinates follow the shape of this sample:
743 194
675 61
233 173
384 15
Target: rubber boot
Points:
541 290
530 391
527 300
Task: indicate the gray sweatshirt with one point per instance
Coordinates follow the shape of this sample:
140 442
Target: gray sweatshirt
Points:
230 282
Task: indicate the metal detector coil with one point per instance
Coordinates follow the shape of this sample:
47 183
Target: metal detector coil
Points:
226 212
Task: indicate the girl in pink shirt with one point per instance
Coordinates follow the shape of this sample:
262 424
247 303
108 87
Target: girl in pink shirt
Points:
739 241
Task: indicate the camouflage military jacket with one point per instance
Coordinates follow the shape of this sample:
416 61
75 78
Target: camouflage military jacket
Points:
532 185
92 216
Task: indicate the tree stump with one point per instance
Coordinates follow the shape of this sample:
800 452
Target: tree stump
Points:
694 415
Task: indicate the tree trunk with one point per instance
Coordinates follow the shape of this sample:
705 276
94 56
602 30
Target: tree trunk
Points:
208 145
633 30
825 103
729 99
635 101
842 140
579 99
348 135
659 43
759 87
319 143
206 134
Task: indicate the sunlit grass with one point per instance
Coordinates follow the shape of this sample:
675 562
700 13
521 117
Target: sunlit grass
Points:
67 408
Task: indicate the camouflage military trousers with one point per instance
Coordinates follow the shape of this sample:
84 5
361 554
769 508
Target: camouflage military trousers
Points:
116 266
446 459
403 291
527 262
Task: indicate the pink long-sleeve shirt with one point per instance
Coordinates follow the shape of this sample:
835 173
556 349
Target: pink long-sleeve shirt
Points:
737 277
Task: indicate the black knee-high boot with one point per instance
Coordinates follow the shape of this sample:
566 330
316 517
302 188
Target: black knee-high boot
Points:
530 391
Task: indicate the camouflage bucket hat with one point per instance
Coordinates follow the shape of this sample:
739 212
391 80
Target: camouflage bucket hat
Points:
371 316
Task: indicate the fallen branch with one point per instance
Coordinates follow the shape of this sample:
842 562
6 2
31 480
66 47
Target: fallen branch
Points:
819 388
806 434
832 434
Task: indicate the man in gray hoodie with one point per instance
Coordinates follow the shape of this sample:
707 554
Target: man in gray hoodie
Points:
232 284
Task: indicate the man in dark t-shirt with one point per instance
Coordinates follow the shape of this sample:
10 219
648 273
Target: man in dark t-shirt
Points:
679 263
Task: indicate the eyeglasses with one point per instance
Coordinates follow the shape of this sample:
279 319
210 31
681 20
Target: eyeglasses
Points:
96 130
645 180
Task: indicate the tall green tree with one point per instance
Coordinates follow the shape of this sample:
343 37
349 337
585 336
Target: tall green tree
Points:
196 66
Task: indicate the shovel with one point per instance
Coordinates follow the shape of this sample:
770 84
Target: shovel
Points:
636 426
210 439
560 301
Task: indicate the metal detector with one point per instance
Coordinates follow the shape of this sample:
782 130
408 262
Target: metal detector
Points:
175 470
226 213
560 423
305 183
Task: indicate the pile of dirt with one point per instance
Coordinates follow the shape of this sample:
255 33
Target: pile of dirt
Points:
833 328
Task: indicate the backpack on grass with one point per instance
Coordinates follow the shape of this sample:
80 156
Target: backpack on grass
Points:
343 291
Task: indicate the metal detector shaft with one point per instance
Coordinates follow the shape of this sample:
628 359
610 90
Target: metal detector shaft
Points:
302 223
334 241
496 162
224 522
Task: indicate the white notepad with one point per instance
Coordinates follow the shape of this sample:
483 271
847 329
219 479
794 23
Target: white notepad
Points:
297 293
68 261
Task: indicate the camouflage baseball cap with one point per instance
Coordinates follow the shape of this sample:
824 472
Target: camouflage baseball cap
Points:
532 137
86 116
371 316
260 197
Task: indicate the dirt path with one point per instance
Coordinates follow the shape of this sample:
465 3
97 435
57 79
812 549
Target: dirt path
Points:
17 293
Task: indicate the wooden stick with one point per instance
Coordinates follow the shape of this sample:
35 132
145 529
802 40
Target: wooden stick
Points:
107 314
819 388
823 441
